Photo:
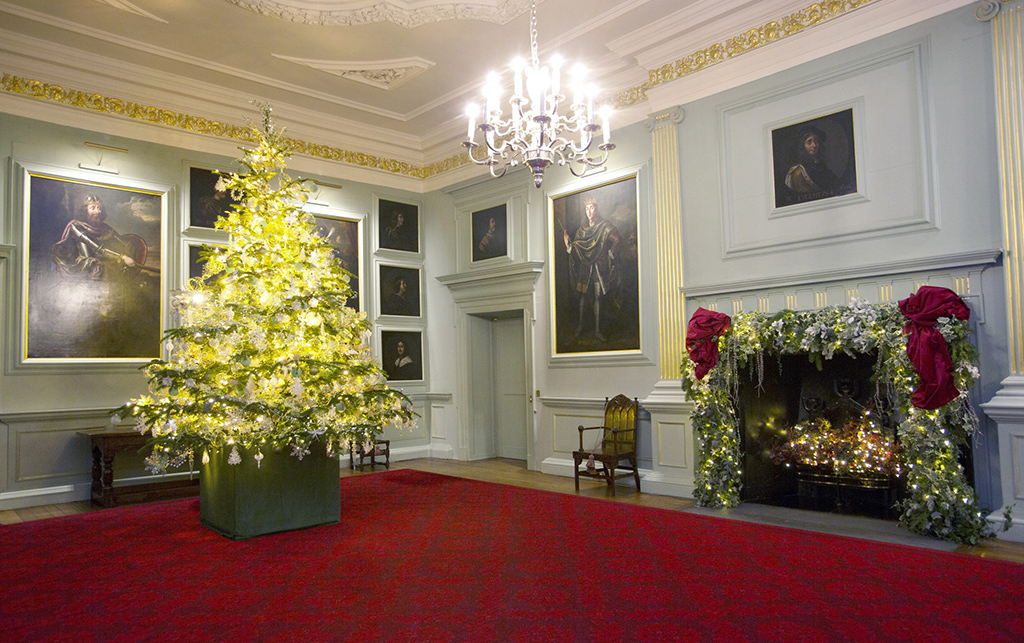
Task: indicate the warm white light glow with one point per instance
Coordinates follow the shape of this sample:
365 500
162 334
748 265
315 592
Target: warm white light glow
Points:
533 131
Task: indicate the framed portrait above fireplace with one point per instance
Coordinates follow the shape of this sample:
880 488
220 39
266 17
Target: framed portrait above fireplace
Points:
814 159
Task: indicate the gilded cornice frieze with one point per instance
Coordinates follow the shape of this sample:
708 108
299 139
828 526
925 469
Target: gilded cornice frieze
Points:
199 125
747 41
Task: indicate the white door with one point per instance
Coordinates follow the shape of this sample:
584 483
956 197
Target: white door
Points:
511 399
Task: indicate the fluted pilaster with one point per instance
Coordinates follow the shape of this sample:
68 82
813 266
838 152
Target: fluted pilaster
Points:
669 236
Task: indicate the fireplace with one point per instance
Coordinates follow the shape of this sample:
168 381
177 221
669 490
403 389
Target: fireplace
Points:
822 440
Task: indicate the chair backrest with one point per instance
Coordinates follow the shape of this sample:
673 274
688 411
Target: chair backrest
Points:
620 413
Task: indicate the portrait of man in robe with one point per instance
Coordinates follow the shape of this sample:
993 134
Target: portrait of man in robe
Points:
814 160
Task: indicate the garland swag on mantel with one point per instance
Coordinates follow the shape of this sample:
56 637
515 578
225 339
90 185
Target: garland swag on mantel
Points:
931 400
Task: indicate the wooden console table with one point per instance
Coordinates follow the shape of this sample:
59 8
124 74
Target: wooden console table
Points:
106 443
381 449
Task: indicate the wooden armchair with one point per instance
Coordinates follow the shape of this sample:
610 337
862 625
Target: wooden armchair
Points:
617 449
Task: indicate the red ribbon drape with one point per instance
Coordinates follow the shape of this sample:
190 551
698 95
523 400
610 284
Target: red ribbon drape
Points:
702 334
926 348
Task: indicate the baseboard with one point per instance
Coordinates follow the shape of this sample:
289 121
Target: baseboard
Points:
11 500
1016 531
442 451
564 468
663 484
411 453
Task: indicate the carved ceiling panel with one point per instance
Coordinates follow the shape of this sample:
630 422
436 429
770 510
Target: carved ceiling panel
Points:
406 13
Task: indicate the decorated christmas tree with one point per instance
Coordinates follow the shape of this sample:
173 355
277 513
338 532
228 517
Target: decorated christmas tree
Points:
266 355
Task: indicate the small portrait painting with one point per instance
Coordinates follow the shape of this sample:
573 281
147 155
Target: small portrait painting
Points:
206 202
402 355
814 159
399 291
399 226
196 262
489 233
197 258
343 237
595 274
93 270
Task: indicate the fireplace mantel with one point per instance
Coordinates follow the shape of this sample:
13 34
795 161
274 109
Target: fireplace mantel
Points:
878 282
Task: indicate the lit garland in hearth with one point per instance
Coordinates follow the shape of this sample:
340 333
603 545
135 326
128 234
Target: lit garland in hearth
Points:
858 448
941 502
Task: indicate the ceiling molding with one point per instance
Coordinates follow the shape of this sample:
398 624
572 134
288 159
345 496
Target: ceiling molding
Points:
382 74
123 5
118 107
737 45
408 14
697 26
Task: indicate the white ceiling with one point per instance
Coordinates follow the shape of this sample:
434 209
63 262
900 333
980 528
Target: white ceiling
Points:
392 77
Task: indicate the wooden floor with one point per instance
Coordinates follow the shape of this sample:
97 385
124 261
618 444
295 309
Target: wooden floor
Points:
514 472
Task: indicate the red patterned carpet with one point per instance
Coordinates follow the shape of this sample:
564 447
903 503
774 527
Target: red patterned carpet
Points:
425 557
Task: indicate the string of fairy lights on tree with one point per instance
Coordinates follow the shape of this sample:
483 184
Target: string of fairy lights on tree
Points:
940 500
265 355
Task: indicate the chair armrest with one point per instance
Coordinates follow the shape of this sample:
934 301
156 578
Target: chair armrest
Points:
588 428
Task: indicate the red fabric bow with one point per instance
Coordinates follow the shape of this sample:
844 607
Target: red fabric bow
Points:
926 348
702 334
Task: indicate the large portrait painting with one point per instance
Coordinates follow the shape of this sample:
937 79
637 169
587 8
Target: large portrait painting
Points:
595 276
402 355
489 233
206 203
814 159
344 237
93 276
398 226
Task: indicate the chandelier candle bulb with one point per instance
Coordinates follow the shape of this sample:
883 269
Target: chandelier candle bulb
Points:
471 111
556 67
517 69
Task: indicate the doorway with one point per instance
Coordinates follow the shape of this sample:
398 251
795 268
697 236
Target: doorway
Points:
499 395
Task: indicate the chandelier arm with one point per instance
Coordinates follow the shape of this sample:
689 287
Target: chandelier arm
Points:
486 160
579 174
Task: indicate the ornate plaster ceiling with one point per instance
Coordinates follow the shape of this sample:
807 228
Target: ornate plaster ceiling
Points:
405 13
388 80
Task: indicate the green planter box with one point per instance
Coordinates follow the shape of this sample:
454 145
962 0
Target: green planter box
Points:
284 493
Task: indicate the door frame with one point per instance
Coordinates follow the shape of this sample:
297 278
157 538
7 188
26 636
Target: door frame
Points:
512 291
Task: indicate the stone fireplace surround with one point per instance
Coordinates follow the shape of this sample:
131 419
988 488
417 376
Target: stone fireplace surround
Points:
886 282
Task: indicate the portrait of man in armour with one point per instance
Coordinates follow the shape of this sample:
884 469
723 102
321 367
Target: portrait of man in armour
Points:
94 262
595 269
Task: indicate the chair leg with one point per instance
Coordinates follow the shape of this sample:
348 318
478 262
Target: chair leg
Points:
636 473
611 478
576 471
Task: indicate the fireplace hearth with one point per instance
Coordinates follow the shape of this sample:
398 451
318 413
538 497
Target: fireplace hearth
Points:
820 440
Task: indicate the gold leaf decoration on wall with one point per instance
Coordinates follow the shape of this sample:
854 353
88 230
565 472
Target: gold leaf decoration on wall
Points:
199 125
745 42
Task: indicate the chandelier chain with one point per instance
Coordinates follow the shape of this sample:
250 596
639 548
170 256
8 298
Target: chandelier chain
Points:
533 34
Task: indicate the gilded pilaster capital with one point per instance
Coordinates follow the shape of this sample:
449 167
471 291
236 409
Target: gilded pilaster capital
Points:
987 10
672 115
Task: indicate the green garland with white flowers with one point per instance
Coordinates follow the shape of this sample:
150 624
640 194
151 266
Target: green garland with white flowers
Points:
940 503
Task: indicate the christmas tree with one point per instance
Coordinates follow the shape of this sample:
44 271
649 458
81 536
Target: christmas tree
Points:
266 355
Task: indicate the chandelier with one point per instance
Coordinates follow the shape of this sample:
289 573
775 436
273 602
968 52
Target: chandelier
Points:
533 131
